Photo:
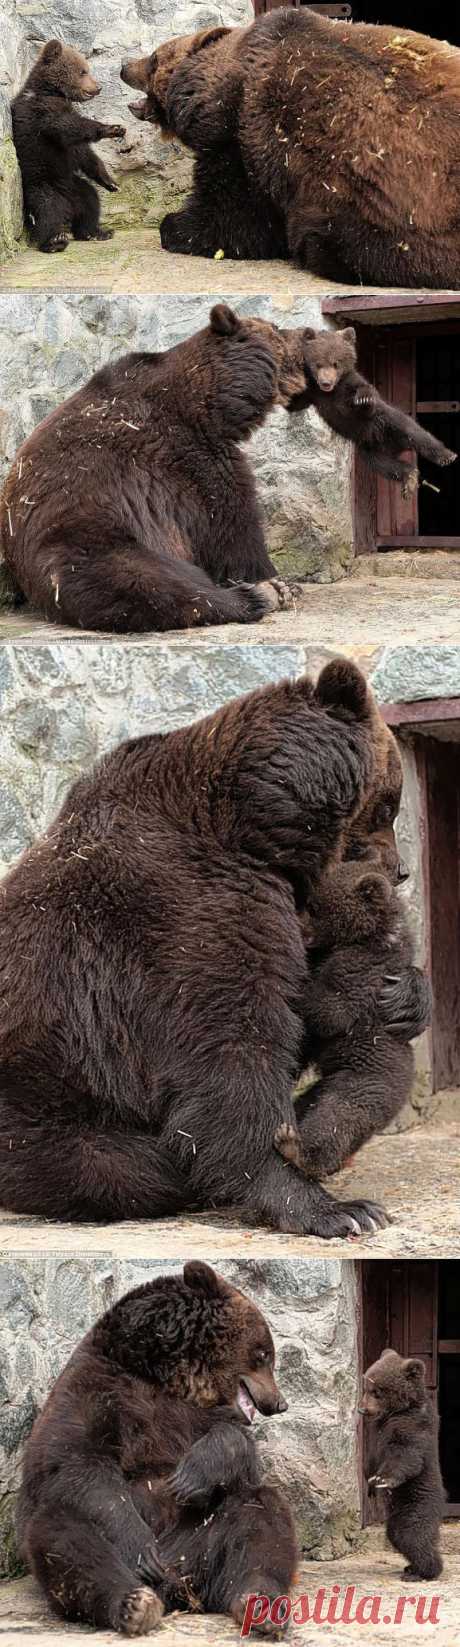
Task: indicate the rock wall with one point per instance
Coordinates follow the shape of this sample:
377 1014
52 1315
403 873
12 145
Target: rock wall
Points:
50 344
47 1305
152 176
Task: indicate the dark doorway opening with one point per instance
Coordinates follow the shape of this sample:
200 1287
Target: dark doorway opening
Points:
440 22
414 1308
416 367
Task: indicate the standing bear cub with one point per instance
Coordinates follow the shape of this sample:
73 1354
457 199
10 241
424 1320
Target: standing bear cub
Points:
404 1459
53 146
142 1489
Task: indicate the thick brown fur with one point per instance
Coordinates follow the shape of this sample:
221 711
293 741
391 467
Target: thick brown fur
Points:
404 1459
336 145
353 408
132 507
142 1489
153 969
52 143
359 939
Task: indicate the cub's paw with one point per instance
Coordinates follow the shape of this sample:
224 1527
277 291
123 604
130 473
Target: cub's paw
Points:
288 1144
444 457
57 243
364 397
115 131
140 1612
383 1483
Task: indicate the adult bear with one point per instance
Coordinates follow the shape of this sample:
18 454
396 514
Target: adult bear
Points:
336 145
142 1490
153 970
132 507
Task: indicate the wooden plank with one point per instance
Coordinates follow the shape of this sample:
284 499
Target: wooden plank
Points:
417 542
364 479
436 406
373 1338
420 710
386 308
449 1346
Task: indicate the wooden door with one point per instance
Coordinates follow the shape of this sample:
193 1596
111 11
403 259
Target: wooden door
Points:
438 763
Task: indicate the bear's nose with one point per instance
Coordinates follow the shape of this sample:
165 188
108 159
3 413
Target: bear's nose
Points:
403 871
281 1405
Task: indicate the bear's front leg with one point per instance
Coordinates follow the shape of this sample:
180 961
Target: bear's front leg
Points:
223 214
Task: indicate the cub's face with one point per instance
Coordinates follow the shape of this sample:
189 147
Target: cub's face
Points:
239 1368
328 355
62 69
371 834
392 1385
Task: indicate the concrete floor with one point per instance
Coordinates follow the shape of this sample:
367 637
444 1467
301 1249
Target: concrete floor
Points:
374 1572
363 612
415 1174
134 262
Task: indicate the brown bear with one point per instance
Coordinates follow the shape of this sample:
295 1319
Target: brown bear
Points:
349 135
52 143
358 936
354 409
153 969
404 1459
142 1489
132 507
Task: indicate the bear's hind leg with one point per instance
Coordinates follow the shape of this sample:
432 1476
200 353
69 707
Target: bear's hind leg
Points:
84 1578
224 215
247 1547
48 219
130 590
86 212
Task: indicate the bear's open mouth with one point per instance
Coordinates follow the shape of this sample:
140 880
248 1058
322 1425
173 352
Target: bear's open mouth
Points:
245 1404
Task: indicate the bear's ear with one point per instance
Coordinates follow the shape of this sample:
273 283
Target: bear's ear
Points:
342 686
207 37
349 334
308 333
224 321
201 1278
52 51
414 1369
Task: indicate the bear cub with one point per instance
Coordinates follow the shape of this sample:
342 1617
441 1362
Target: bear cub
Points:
354 409
142 1488
404 1459
52 142
358 939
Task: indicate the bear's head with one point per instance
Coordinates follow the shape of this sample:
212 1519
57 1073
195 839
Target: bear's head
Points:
393 1385
286 347
356 904
62 71
328 355
370 833
152 75
197 1338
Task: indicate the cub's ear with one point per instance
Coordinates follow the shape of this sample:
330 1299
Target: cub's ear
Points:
414 1369
207 37
307 334
224 320
51 51
201 1278
349 334
341 686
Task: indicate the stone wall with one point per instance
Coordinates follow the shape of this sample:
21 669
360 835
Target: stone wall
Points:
152 176
47 1305
50 344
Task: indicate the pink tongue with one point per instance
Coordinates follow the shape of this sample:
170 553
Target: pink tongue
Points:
245 1403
